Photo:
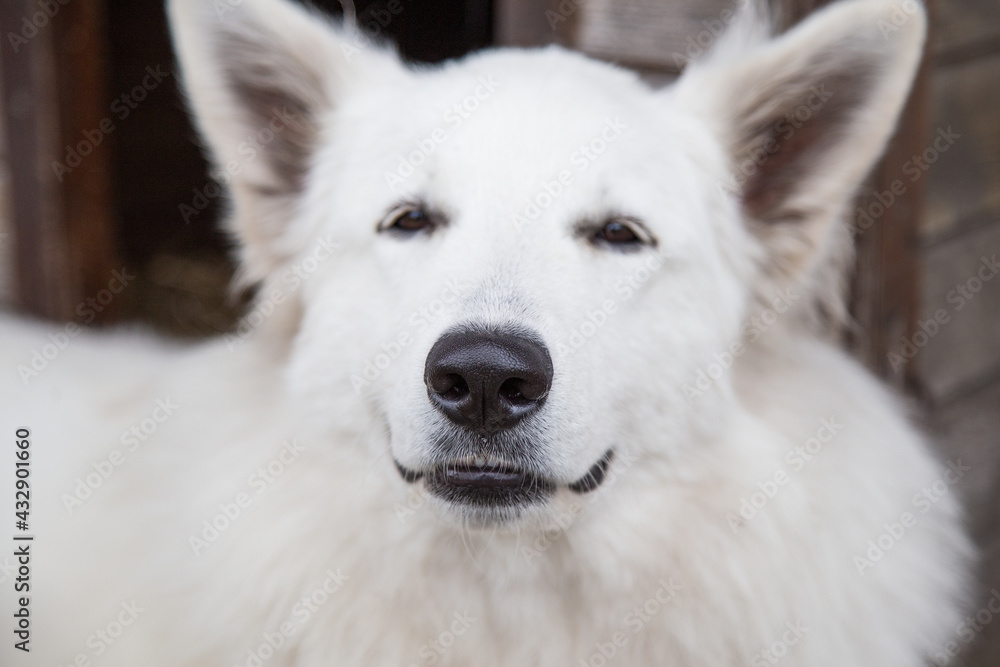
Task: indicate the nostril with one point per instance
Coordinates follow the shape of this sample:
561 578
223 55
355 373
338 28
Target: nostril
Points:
455 387
510 390
518 391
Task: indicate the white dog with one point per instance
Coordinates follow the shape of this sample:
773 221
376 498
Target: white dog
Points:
533 375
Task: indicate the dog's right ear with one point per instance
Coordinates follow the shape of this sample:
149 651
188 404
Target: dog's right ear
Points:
261 76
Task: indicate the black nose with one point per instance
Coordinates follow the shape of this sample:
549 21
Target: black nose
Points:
487 381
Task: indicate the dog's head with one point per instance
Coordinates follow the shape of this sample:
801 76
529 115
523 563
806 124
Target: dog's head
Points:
520 264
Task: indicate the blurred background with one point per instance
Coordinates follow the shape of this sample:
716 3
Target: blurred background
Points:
100 172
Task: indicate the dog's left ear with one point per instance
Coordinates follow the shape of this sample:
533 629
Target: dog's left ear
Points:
261 77
806 115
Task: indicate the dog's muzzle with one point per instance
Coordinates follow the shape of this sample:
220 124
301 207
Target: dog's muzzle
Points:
488 384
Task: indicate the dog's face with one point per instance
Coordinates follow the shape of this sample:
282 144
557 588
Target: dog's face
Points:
519 263
497 311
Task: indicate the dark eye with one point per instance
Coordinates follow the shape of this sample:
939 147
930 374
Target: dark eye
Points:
619 232
407 218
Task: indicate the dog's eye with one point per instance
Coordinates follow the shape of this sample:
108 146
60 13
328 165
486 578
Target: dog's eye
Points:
621 232
407 219
617 233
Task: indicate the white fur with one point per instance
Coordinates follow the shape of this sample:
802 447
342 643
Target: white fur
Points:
556 585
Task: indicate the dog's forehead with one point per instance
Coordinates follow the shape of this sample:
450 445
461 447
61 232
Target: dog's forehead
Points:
541 106
507 138
503 124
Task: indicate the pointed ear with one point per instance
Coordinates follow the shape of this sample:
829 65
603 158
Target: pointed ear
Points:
262 77
805 116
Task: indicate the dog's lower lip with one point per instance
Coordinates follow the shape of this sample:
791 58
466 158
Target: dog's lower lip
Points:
484 476
471 476
485 487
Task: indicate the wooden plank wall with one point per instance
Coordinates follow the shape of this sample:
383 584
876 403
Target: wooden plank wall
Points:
960 234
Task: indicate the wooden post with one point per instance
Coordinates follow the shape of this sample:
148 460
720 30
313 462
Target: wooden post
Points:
54 100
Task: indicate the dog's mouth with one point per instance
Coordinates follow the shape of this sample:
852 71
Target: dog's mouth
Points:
499 484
